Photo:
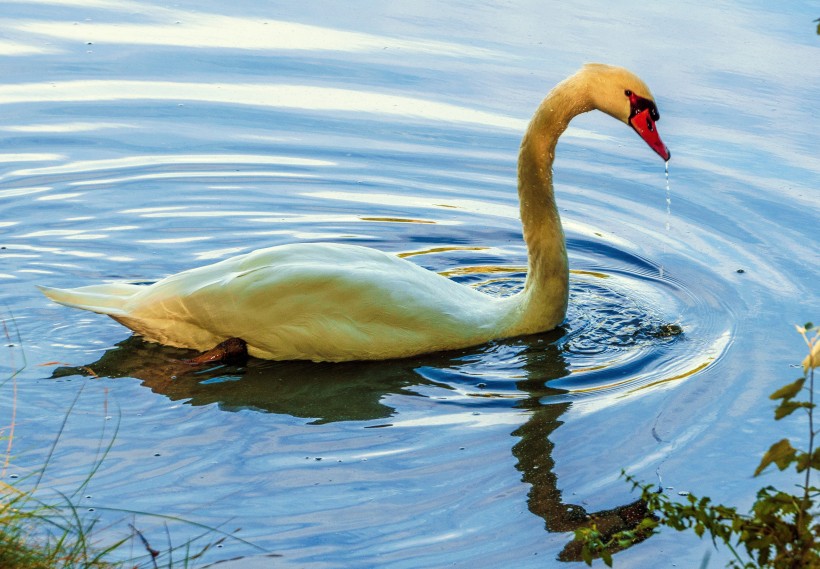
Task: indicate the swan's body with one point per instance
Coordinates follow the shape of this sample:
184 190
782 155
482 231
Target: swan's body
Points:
331 302
305 301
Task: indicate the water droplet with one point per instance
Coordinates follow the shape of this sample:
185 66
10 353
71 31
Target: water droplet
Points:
667 224
668 198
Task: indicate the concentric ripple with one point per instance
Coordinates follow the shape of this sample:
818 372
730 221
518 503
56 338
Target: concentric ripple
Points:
628 330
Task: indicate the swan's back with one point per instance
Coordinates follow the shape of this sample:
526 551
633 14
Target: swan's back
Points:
323 302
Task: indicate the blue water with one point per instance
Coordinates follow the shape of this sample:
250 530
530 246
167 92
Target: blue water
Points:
141 139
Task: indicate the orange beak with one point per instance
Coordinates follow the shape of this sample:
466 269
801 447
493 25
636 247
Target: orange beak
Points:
644 125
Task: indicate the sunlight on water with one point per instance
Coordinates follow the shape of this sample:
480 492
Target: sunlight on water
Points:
262 94
11 48
65 127
203 30
94 166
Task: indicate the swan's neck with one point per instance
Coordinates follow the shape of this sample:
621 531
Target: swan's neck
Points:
543 302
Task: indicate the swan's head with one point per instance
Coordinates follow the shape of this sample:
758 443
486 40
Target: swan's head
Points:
621 94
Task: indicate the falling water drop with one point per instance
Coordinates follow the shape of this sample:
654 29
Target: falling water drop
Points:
668 200
667 222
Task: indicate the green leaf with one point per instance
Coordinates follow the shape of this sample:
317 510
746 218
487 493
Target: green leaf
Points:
781 453
789 391
647 524
787 408
586 555
803 461
815 459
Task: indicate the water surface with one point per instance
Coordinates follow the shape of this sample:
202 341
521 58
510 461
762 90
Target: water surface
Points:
140 139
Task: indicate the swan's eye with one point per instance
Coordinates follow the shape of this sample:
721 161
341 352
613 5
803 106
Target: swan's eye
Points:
639 104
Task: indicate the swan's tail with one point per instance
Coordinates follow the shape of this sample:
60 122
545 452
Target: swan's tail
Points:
104 299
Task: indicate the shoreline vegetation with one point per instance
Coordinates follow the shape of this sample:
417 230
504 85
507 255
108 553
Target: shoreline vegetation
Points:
55 532
782 528
33 533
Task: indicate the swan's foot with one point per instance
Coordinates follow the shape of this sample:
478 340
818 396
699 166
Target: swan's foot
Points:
232 350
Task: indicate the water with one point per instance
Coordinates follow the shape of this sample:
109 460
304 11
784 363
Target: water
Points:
140 139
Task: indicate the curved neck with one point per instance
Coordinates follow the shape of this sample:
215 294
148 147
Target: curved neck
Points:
543 301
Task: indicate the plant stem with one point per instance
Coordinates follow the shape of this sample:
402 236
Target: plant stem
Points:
807 486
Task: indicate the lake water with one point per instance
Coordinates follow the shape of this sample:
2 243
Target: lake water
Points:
143 138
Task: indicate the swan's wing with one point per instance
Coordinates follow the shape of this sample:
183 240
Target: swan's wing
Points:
313 301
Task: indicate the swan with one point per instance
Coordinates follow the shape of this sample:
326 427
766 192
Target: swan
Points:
334 302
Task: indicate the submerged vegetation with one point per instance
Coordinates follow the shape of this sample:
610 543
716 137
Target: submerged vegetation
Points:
782 530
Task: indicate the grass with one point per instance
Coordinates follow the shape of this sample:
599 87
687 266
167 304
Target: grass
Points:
68 544
36 533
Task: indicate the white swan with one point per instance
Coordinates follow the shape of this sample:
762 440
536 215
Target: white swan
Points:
331 302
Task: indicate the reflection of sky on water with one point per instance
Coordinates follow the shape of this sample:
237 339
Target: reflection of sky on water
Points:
194 29
263 94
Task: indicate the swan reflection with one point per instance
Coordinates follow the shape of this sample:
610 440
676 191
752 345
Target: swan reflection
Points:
522 368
